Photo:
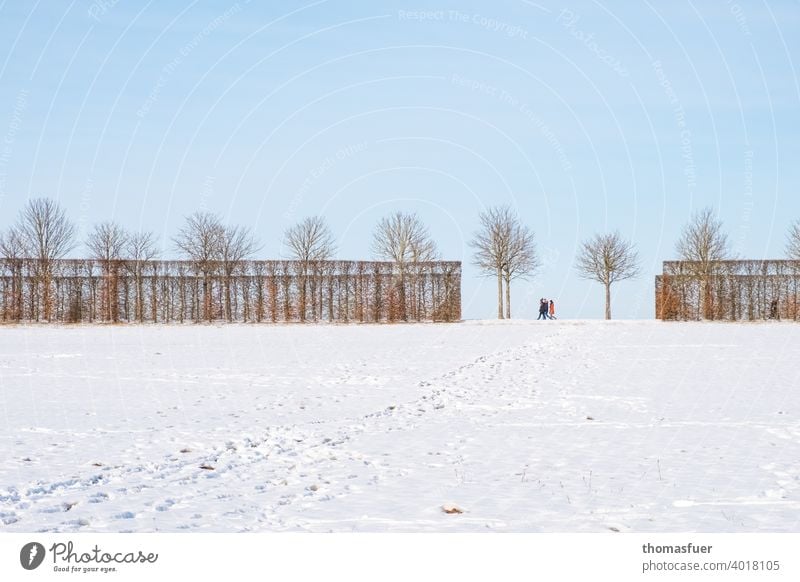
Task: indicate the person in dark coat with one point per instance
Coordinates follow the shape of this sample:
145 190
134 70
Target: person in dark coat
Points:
543 305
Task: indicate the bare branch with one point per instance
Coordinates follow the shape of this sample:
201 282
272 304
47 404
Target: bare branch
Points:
107 241
793 241
45 231
199 239
608 258
236 245
491 242
141 246
310 240
12 246
523 260
403 239
703 241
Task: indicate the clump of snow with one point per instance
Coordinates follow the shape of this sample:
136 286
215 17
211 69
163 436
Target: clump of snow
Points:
532 426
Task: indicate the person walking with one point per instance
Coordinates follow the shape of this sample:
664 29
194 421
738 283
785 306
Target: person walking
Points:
552 309
542 309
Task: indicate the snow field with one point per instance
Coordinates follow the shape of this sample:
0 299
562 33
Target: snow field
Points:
525 426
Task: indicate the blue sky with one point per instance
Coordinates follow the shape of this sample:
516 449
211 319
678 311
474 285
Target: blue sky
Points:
585 116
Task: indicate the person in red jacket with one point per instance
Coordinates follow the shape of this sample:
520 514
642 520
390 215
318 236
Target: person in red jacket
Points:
552 309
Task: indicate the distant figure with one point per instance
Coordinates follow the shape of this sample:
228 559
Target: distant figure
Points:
552 309
542 309
773 309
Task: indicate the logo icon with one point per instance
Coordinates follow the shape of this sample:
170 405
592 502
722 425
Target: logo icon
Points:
31 555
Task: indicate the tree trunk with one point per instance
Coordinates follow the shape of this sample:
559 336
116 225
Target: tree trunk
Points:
139 297
499 294
301 311
48 308
228 300
704 299
207 290
153 289
113 293
508 296
608 300
402 295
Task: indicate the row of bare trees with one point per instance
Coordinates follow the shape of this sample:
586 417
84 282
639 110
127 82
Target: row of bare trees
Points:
711 282
736 290
260 291
219 265
505 249
705 268
219 261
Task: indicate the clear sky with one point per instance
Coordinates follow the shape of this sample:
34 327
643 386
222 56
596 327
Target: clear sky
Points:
585 116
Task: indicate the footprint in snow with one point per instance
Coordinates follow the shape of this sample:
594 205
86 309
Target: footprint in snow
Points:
165 505
125 515
8 517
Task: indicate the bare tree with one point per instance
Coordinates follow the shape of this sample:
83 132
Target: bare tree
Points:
608 258
199 240
703 244
423 251
106 243
47 235
521 257
506 249
12 248
140 249
403 239
45 230
236 245
309 242
793 241
491 246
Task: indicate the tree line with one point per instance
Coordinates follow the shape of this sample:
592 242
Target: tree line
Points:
407 281
217 277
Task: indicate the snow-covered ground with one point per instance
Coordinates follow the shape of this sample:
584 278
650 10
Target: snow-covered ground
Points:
525 426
